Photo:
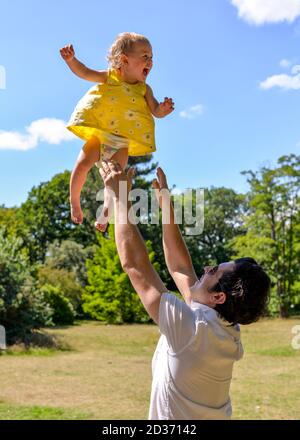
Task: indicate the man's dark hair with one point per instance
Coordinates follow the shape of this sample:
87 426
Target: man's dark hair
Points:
247 290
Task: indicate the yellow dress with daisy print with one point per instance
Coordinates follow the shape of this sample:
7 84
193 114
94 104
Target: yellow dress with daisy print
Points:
117 108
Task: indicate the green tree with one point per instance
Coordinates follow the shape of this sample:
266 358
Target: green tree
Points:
144 168
62 310
223 209
8 220
109 295
70 256
66 283
273 227
45 216
22 307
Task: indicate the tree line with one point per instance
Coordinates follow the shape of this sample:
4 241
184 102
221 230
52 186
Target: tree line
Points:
52 271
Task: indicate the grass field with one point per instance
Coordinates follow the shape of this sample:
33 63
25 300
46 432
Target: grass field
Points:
104 372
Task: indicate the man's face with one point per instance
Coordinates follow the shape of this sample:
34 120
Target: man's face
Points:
209 279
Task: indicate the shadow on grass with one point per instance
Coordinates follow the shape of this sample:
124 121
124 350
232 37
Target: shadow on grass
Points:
39 343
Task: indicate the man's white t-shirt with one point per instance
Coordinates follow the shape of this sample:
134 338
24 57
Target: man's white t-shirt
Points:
193 362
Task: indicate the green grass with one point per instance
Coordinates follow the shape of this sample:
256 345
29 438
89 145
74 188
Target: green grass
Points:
15 412
30 352
104 372
278 352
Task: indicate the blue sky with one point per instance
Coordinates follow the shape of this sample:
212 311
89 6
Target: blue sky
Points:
231 66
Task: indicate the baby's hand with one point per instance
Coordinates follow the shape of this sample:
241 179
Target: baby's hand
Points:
67 52
165 108
76 214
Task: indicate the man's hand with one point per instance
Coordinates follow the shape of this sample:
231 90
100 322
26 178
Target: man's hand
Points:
159 183
177 256
164 108
112 174
67 52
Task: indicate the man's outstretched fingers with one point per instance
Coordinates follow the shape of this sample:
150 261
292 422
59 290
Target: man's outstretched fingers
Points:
117 166
114 166
111 165
131 171
161 178
130 174
105 167
155 184
102 173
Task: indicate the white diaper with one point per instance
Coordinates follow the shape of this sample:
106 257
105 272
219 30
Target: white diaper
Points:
110 144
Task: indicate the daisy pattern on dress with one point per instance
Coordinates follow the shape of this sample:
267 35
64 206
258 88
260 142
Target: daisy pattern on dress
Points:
113 99
130 115
138 124
113 123
130 131
147 137
127 89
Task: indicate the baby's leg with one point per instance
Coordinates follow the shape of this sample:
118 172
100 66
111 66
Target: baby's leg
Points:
121 156
89 154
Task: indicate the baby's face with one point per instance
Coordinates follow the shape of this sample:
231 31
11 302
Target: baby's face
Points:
139 62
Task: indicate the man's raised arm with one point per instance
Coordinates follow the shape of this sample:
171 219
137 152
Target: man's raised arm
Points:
130 244
177 256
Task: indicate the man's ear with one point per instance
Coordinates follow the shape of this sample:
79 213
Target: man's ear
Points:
219 298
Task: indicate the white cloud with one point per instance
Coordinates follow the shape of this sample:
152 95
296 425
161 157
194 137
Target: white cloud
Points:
177 191
192 112
267 11
50 130
295 69
285 63
283 81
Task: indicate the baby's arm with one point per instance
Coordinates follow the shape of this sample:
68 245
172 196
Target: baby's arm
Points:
68 54
158 109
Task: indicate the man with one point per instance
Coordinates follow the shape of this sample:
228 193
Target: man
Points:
193 362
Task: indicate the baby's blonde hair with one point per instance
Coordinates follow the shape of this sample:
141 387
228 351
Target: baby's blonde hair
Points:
124 44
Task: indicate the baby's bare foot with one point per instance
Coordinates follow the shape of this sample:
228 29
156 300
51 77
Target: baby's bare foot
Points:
76 214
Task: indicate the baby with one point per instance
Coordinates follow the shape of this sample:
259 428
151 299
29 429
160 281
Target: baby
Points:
115 116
